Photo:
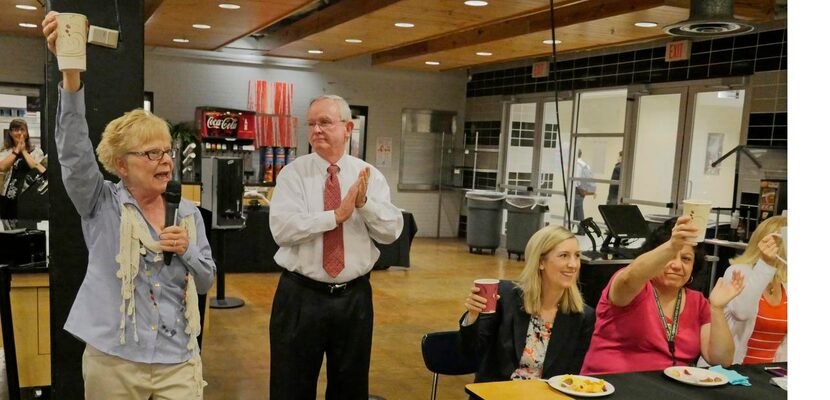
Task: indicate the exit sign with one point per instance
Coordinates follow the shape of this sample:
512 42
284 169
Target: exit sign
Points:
678 50
540 69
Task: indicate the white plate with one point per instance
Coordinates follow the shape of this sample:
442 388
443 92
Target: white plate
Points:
556 383
694 376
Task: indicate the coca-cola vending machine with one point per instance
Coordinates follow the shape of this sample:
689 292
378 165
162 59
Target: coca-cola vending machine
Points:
227 132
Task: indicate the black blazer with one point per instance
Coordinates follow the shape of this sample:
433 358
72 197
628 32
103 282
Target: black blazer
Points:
499 338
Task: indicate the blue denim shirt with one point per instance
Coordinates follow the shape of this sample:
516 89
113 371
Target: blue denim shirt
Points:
95 315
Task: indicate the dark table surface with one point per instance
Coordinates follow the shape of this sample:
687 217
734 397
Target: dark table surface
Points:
396 254
656 385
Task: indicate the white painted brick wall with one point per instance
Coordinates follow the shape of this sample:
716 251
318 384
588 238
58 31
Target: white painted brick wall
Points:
181 84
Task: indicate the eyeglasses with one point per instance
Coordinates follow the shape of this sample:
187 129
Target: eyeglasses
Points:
324 124
153 155
18 129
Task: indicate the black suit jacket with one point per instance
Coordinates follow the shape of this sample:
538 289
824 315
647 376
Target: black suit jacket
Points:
499 338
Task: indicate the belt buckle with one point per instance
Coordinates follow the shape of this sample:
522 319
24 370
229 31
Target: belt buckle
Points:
336 287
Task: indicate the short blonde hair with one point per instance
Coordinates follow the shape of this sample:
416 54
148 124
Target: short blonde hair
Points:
530 280
341 104
127 132
753 253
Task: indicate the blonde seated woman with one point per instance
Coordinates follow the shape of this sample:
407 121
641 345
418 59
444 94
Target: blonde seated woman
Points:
541 327
758 316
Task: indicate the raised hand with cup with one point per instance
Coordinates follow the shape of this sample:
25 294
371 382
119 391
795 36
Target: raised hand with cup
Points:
66 38
482 299
698 210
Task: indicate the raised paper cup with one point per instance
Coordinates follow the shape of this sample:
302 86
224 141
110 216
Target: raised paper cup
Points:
699 211
70 46
489 289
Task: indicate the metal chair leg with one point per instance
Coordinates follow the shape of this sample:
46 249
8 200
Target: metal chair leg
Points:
434 386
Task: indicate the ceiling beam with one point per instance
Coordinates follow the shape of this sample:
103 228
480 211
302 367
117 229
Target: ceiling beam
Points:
338 13
150 7
539 21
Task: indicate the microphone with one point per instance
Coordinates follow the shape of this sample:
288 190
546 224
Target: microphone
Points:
172 198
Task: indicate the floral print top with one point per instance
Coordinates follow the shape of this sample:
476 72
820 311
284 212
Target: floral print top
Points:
533 355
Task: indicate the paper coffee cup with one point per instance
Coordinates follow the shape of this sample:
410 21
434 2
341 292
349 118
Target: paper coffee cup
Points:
699 211
488 288
70 46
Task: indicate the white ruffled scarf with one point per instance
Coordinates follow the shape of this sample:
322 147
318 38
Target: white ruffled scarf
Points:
134 234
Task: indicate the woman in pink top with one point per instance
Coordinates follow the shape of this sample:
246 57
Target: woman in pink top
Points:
648 320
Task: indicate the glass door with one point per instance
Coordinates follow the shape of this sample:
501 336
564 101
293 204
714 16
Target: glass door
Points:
715 130
554 163
656 148
678 134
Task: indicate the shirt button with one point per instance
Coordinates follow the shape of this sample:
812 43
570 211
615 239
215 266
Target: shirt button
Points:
153 327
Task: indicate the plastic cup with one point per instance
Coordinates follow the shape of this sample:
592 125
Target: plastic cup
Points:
699 211
70 46
488 288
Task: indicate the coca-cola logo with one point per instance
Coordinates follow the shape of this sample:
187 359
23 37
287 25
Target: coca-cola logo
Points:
226 123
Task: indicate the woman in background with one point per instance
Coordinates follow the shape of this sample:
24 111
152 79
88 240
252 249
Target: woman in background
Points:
541 327
758 316
17 159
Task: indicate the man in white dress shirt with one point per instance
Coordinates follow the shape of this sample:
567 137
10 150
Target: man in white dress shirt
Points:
325 210
583 188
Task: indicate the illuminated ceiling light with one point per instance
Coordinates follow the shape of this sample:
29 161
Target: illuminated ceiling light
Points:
201 26
181 40
404 24
645 24
27 25
229 6
484 53
26 7
315 52
550 41
475 3
354 41
432 63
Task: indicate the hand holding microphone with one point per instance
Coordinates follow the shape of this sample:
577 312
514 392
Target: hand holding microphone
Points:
173 238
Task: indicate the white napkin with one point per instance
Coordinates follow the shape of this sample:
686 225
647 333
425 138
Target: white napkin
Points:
780 381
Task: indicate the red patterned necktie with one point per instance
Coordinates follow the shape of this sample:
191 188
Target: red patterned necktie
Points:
333 259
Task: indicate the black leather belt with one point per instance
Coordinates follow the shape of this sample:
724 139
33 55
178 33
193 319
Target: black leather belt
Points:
329 288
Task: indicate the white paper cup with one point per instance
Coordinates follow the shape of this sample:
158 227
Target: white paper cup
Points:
70 46
699 211
489 289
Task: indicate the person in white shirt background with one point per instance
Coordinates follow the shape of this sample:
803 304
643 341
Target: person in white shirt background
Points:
326 209
582 170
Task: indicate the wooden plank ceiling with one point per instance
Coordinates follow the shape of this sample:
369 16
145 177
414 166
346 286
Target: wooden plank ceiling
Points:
445 31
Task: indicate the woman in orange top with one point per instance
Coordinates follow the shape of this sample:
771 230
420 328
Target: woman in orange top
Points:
758 316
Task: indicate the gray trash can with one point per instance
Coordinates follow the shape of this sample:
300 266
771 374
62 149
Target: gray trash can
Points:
525 216
484 214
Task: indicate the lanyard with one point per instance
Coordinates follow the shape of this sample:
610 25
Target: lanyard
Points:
670 332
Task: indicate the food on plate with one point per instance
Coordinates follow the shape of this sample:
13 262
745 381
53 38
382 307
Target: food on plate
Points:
583 385
711 379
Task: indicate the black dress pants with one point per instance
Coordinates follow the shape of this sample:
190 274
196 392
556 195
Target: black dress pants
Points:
306 322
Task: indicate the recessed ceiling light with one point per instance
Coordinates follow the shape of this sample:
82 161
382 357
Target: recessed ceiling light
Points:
645 24
181 40
550 41
404 24
475 3
354 41
201 26
26 7
484 53
27 25
229 6
315 52
432 63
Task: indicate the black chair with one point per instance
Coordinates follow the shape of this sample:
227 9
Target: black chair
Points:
442 356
